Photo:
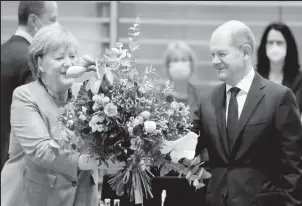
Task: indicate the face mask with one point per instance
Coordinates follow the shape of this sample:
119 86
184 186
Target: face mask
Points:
276 53
179 70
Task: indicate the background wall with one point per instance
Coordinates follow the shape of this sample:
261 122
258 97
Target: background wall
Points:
99 24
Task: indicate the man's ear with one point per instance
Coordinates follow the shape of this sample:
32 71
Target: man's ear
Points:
32 20
247 51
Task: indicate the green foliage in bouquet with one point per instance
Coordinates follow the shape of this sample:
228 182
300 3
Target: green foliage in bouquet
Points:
125 116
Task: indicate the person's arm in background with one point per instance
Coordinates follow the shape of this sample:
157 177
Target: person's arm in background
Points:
289 126
297 89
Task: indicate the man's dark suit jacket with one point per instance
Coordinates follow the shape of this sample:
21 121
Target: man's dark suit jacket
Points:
14 72
297 89
264 166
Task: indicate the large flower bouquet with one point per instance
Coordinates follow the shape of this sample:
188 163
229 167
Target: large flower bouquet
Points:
125 116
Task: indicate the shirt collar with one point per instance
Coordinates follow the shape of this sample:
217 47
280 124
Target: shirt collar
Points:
24 34
245 83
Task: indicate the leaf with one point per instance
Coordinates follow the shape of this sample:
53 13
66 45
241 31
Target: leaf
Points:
164 170
95 85
194 170
54 144
134 34
108 52
109 76
117 51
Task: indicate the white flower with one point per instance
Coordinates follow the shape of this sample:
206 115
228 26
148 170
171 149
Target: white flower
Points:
82 117
141 120
174 105
146 115
69 123
95 106
106 100
110 110
84 110
130 129
142 90
150 126
136 122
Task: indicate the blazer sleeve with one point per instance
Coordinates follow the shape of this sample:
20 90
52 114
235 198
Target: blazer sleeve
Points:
32 134
289 126
201 143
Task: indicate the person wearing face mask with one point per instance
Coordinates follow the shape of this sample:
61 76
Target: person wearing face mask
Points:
180 63
35 175
32 15
278 55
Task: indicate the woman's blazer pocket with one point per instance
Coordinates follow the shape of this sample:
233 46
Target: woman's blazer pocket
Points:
37 187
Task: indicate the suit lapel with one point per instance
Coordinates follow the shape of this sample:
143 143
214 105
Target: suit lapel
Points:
219 103
252 101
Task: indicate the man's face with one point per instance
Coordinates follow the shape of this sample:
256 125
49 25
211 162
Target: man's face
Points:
227 59
49 16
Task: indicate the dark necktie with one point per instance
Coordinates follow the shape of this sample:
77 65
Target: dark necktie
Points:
232 116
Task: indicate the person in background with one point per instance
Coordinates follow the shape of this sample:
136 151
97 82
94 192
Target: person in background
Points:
278 55
34 174
180 64
32 15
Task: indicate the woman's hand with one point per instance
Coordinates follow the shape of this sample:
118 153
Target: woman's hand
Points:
86 162
112 168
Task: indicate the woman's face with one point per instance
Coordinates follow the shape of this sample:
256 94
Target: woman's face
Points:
54 65
276 46
179 56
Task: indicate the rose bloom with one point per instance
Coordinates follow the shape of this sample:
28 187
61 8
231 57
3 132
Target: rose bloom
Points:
150 126
110 110
174 105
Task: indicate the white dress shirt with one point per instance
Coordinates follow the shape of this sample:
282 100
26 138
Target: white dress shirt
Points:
24 34
244 85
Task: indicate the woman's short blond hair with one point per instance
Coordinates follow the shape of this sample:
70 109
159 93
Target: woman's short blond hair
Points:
184 48
48 39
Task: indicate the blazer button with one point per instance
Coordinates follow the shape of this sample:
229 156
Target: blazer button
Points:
73 146
74 183
230 168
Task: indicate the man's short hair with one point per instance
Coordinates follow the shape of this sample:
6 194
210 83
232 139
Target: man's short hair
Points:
243 35
29 7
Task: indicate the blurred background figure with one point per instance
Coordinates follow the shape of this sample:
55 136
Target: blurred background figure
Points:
32 15
278 55
180 65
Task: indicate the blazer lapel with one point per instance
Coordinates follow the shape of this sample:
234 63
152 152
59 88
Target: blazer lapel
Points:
252 101
219 103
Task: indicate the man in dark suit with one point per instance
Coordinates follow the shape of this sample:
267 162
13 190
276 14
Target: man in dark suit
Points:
32 15
251 128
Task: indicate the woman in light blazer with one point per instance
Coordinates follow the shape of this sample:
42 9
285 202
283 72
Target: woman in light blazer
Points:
34 175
